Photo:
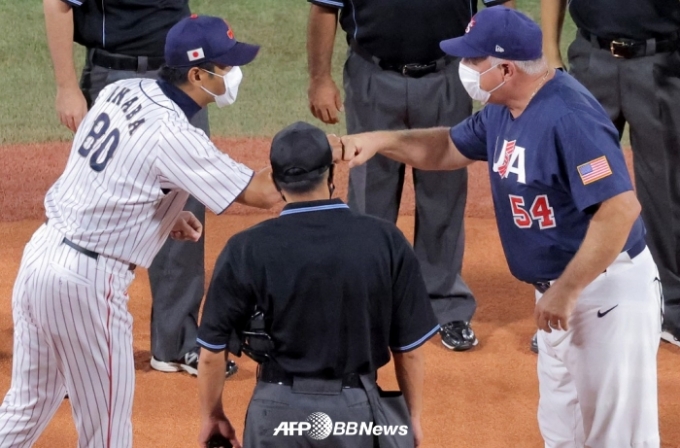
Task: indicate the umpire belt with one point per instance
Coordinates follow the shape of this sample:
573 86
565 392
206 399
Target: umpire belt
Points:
112 61
632 48
414 70
270 373
635 250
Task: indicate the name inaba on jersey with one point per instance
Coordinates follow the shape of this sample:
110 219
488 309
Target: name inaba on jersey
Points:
129 105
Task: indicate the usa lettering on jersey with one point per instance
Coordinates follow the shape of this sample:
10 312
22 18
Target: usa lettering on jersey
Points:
511 160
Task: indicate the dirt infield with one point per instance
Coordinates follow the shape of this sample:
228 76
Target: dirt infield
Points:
479 399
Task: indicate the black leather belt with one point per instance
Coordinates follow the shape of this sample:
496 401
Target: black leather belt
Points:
123 62
635 250
270 373
632 48
89 253
413 70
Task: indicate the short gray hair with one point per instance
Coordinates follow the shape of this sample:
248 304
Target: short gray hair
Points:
533 67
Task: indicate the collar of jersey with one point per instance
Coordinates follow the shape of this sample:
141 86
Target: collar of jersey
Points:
313 206
184 101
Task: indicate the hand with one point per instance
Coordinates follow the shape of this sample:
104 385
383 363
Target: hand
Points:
554 309
336 146
187 228
217 425
358 149
71 106
324 100
417 431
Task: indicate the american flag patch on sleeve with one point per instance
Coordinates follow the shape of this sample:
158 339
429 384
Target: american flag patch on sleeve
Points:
594 170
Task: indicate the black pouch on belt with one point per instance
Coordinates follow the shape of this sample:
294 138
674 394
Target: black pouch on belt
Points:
389 410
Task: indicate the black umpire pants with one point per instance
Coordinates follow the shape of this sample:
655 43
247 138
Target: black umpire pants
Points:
177 274
377 99
645 93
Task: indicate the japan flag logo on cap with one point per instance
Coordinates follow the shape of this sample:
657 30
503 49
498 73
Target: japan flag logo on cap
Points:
470 25
195 54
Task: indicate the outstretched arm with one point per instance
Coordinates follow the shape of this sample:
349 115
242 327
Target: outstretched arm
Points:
424 149
260 192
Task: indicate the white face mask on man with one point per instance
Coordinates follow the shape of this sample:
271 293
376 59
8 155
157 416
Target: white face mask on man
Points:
471 82
231 82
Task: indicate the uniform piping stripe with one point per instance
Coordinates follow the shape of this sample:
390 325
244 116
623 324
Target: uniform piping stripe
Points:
330 2
317 208
418 342
212 346
108 337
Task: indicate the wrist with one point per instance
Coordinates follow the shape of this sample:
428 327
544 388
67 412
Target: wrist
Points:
569 290
321 78
68 86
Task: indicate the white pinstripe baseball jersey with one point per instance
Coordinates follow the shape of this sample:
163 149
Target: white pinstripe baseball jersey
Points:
133 144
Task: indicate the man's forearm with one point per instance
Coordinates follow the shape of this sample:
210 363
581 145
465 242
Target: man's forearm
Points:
211 368
410 371
260 192
425 149
321 30
604 241
552 20
59 28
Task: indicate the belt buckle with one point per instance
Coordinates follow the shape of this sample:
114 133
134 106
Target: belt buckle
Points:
413 69
407 68
619 47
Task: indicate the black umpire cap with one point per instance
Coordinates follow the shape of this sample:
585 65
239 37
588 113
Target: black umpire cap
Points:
300 152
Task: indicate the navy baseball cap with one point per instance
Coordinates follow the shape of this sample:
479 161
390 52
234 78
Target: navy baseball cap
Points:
197 39
300 152
500 32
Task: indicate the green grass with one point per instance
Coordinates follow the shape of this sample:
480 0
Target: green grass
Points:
273 93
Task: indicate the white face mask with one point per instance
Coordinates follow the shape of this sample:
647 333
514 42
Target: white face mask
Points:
231 82
471 79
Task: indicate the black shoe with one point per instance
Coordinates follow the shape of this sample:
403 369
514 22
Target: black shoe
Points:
534 343
189 364
458 336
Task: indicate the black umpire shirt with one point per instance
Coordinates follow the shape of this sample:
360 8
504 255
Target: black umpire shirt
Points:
338 289
403 31
129 27
632 19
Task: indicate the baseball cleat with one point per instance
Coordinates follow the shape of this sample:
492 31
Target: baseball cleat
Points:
669 337
189 364
534 343
458 336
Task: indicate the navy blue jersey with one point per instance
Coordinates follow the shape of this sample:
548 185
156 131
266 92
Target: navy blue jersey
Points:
550 168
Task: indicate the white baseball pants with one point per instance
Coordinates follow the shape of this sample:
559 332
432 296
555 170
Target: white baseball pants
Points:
72 333
598 380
